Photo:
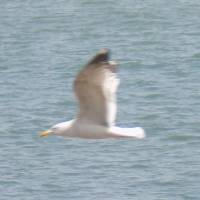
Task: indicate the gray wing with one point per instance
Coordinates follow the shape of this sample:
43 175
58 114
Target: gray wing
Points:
95 87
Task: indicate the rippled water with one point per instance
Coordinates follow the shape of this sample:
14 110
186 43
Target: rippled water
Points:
43 44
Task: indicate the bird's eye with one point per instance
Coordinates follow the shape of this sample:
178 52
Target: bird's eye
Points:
54 128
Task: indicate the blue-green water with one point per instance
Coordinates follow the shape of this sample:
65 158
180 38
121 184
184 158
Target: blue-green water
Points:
43 44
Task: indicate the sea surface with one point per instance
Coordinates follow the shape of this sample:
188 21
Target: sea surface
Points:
43 44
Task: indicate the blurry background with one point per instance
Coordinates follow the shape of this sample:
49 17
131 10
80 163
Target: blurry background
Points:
43 44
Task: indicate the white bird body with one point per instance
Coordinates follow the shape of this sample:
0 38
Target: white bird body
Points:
75 128
95 87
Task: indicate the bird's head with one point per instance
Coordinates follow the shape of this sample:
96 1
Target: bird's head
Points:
58 129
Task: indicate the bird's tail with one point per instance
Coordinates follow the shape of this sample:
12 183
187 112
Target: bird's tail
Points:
136 132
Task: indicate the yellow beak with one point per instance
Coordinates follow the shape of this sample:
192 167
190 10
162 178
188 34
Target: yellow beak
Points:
45 133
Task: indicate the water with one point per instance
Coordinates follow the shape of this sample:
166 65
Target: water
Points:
44 44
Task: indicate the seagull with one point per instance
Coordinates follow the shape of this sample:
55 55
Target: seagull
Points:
95 87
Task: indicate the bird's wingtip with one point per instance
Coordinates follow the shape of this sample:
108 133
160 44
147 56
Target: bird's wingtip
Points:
102 56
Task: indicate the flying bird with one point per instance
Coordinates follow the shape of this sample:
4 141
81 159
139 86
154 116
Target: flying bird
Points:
95 87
